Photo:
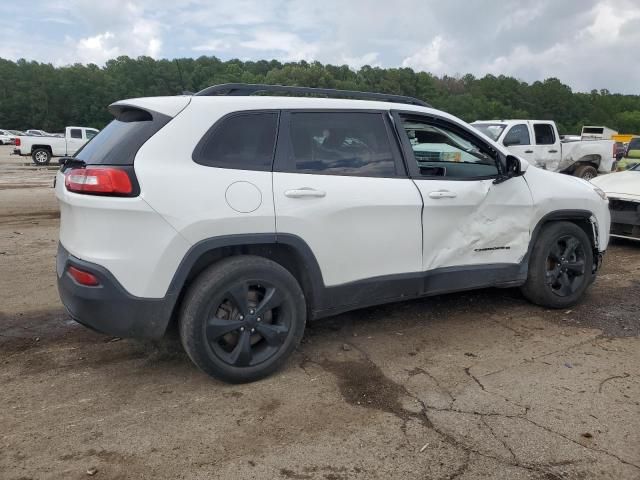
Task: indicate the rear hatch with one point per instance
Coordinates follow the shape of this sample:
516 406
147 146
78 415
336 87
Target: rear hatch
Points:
103 216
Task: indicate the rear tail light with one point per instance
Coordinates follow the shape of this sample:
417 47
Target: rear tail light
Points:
83 278
99 181
17 142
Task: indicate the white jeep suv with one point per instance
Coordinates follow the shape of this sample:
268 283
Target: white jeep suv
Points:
271 210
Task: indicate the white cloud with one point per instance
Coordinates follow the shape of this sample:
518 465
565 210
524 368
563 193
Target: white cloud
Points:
607 23
97 49
287 46
212 46
146 37
427 58
356 62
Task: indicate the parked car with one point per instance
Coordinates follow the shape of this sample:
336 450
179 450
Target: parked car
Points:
631 155
241 239
37 133
538 142
623 190
5 137
42 149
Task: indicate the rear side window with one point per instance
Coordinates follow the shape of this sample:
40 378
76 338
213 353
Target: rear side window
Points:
75 133
244 141
118 142
544 134
337 143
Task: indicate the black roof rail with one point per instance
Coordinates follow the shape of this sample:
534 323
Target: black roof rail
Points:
246 89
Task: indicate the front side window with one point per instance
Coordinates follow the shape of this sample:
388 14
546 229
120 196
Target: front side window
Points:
518 135
441 151
544 134
336 143
75 133
91 134
244 141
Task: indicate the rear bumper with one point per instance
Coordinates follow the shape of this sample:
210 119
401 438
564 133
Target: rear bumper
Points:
108 307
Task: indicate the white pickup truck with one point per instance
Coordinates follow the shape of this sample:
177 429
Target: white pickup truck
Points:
42 149
538 142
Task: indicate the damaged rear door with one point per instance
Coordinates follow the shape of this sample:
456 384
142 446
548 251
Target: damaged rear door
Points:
468 221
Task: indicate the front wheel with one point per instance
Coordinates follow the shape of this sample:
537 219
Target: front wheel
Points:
242 318
560 266
41 156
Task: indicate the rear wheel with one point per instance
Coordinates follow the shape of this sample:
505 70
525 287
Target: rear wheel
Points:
560 266
41 156
586 172
242 318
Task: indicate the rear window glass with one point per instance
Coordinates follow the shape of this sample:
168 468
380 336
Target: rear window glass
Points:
335 143
245 141
118 142
76 133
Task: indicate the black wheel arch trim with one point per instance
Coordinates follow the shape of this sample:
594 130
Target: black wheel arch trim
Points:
197 251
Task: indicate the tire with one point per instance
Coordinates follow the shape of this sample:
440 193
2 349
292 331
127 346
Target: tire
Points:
41 156
560 266
586 172
242 318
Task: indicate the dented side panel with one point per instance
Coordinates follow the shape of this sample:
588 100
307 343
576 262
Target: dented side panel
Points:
480 223
553 192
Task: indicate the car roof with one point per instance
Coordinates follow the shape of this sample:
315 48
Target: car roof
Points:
173 105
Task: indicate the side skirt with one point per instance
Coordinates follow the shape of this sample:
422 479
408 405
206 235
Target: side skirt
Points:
395 288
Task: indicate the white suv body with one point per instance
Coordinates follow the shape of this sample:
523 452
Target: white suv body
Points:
362 202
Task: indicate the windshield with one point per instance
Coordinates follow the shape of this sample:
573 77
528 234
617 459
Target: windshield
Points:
491 130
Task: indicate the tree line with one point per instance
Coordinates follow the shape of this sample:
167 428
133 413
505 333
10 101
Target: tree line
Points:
39 95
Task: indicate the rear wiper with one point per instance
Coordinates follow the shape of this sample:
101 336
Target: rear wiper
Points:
69 162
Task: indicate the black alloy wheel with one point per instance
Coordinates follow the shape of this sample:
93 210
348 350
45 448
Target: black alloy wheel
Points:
248 324
565 273
242 317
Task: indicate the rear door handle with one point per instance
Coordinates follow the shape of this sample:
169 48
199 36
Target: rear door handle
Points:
442 194
304 192
553 151
528 151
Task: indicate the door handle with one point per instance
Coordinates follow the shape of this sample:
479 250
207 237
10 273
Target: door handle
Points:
528 151
442 194
304 192
553 151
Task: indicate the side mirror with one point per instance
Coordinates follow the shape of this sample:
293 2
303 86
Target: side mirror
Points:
509 143
513 166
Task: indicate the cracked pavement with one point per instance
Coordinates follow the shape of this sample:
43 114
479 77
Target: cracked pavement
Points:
465 386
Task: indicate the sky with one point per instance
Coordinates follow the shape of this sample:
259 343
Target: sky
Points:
587 44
